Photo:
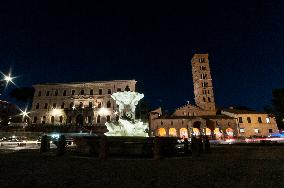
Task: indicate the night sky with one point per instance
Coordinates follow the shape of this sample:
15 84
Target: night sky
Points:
150 42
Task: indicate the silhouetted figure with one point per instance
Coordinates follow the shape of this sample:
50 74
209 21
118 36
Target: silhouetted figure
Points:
44 145
206 144
103 148
157 148
199 145
61 145
193 145
185 146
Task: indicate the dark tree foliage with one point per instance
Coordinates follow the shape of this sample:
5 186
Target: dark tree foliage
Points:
278 105
24 94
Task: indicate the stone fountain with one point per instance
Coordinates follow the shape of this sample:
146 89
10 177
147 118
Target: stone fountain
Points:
127 125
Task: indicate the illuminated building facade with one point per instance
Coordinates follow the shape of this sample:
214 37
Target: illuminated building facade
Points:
202 118
80 104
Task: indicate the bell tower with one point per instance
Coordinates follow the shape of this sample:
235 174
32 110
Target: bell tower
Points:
202 82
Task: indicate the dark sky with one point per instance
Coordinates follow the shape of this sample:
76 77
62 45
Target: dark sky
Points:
150 42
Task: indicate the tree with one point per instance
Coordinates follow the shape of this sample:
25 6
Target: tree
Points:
23 94
277 106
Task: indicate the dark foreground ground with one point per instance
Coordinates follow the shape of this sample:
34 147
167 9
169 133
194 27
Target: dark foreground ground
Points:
227 166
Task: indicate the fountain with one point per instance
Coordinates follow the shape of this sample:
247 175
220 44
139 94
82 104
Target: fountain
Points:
127 125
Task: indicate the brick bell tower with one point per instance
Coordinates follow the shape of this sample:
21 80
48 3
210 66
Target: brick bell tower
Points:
202 82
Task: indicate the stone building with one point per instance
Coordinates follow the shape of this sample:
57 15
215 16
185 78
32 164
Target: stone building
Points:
251 123
80 104
201 118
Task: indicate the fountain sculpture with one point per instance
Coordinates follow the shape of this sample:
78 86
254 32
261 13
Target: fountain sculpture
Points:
127 125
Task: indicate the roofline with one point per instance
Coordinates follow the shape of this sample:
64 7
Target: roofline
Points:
92 82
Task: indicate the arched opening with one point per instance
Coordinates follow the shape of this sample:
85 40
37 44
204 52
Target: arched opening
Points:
80 120
172 132
52 119
108 104
207 132
183 133
230 132
98 119
108 118
195 132
217 133
61 119
162 132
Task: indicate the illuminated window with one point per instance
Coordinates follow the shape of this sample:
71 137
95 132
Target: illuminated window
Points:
39 93
162 132
73 92
183 133
242 130
91 92
100 91
267 120
64 93
202 68
270 130
37 106
256 131
109 91
172 132
217 133
240 120
248 119
259 120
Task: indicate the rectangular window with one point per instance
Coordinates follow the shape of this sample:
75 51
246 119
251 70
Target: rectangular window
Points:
242 130
54 105
202 60
267 120
91 92
248 119
39 93
100 91
64 93
47 93
45 106
109 91
73 92
55 92
259 120
240 120
270 130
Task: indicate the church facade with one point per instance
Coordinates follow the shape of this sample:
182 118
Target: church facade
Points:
202 118
82 104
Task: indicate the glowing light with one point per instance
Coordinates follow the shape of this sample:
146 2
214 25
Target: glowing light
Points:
73 107
56 112
8 78
104 111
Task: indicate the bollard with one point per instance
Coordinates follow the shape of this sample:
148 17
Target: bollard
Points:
103 148
61 145
199 145
44 145
157 149
185 146
206 144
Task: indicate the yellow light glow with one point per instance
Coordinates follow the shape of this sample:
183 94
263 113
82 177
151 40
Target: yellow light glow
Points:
104 111
56 112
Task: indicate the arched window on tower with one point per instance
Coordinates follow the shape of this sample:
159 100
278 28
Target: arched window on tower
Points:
209 99
204 100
